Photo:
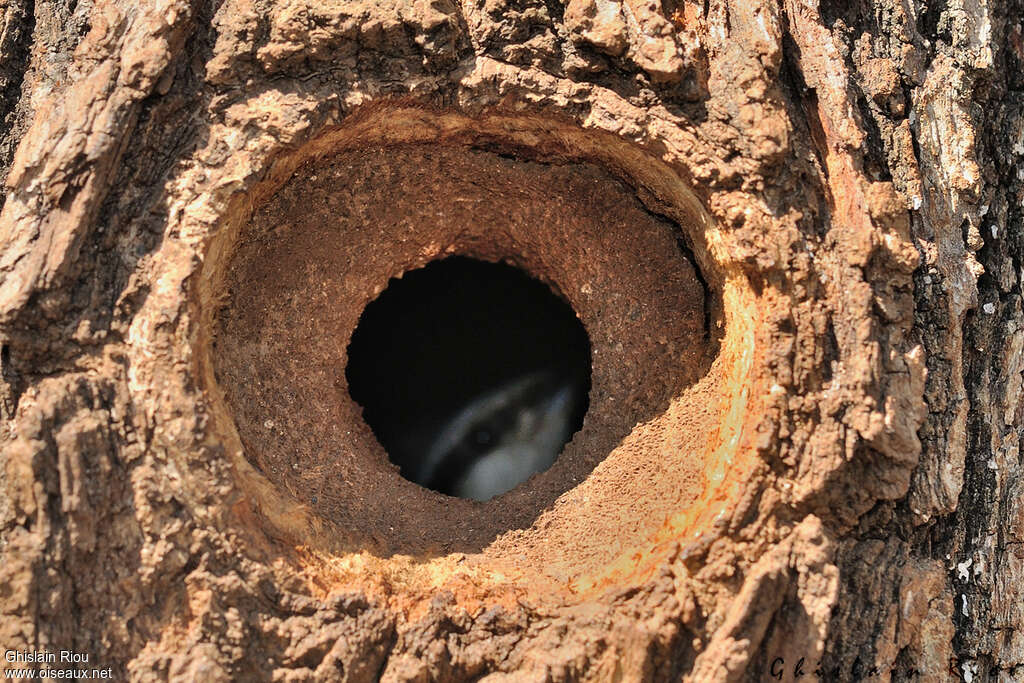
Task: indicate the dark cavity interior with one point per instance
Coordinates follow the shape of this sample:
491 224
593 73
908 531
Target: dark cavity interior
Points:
472 375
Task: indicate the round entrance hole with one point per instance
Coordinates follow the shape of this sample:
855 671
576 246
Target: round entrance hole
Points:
472 375
289 284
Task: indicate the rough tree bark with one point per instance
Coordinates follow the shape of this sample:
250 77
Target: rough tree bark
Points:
847 178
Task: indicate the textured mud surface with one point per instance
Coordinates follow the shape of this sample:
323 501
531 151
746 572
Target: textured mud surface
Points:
836 476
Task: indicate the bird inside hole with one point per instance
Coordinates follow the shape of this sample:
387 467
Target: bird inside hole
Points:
501 437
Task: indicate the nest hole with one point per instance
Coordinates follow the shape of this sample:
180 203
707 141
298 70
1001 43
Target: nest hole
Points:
599 290
472 375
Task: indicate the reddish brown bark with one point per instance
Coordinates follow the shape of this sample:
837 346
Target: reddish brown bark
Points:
816 455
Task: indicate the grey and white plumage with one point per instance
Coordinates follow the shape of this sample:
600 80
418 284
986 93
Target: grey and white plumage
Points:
501 437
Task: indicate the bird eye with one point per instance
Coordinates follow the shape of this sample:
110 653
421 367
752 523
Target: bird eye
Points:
481 436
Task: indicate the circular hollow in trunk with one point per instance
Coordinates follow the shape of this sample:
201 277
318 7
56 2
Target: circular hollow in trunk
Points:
472 375
610 228
328 243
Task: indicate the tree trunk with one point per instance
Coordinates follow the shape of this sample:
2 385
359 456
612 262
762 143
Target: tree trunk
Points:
793 232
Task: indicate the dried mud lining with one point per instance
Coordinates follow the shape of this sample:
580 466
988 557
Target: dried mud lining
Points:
327 243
